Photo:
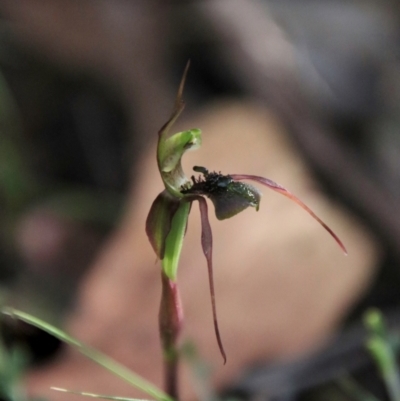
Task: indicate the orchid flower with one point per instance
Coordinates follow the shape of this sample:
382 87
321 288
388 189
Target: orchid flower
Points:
168 216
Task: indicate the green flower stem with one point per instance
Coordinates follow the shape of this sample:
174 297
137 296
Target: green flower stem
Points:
174 241
170 324
171 313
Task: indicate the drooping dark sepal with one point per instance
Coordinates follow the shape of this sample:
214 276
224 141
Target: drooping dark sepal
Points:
207 246
159 220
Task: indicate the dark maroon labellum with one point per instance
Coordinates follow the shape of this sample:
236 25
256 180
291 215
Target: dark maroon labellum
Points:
229 197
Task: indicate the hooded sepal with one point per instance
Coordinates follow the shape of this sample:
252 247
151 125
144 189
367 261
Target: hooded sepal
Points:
171 148
170 153
159 221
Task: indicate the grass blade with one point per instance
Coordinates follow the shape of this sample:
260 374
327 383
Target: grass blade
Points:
101 396
96 356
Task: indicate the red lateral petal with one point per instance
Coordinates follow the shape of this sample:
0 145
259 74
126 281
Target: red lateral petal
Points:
159 219
278 188
206 243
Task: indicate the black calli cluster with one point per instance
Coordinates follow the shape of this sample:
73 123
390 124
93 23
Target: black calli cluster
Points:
229 197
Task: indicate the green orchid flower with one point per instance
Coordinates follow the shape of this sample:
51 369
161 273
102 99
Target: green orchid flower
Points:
168 216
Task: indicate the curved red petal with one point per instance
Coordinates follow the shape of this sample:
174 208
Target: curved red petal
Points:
278 188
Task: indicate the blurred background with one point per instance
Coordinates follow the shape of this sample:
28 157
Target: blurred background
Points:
85 85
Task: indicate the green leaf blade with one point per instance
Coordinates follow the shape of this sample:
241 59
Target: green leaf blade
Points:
96 356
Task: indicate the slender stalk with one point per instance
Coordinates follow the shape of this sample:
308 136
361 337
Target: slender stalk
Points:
171 312
170 323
